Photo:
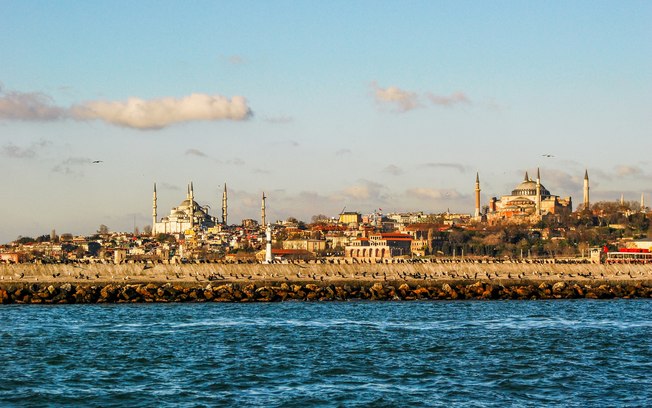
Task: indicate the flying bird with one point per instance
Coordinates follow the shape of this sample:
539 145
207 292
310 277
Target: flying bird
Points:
548 155
97 161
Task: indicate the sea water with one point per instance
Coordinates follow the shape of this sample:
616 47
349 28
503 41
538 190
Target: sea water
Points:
464 353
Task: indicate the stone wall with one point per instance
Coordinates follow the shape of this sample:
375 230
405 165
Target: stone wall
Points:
34 293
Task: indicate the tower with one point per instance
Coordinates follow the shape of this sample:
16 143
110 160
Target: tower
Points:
538 193
191 206
477 196
642 202
224 206
262 211
268 244
586 190
154 210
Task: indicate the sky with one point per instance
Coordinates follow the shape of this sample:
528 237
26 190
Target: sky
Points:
363 105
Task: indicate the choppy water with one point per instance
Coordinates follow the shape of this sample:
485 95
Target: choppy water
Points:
565 353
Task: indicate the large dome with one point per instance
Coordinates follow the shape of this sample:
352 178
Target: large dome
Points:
528 187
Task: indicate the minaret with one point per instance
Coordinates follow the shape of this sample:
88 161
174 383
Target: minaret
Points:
477 195
538 193
224 206
154 211
586 190
268 244
262 211
191 197
642 201
622 199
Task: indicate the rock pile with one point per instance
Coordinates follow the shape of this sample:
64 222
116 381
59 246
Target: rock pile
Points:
252 292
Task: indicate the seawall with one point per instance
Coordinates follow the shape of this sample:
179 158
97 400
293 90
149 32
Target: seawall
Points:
321 272
446 280
65 293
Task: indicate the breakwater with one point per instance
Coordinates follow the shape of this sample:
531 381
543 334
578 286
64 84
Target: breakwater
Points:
439 270
451 280
240 292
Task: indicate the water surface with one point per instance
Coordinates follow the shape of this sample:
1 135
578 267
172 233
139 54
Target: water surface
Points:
521 353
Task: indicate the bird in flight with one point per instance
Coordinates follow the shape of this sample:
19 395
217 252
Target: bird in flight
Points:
548 155
97 161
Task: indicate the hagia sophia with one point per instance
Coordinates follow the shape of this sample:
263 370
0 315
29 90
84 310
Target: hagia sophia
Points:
528 202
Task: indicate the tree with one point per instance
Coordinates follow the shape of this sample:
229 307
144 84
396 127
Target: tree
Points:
319 218
24 240
94 248
165 238
103 230
147 230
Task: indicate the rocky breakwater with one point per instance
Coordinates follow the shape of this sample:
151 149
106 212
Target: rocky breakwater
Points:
301 291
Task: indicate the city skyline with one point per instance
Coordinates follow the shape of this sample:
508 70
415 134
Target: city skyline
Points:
365 105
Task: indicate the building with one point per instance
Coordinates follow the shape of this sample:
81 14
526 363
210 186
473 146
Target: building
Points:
380 246
350 218
528 203
310 245
186 216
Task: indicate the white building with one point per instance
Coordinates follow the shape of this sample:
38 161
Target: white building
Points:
186 216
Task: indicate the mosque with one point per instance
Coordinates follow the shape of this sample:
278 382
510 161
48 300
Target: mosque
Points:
186 216
528 202
189 215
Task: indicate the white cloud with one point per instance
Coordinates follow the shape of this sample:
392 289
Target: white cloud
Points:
134 113
158 113
402 100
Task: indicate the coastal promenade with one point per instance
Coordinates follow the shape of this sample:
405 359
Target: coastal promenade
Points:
441 279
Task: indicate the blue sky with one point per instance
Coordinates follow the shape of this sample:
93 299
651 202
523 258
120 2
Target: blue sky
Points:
391 105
